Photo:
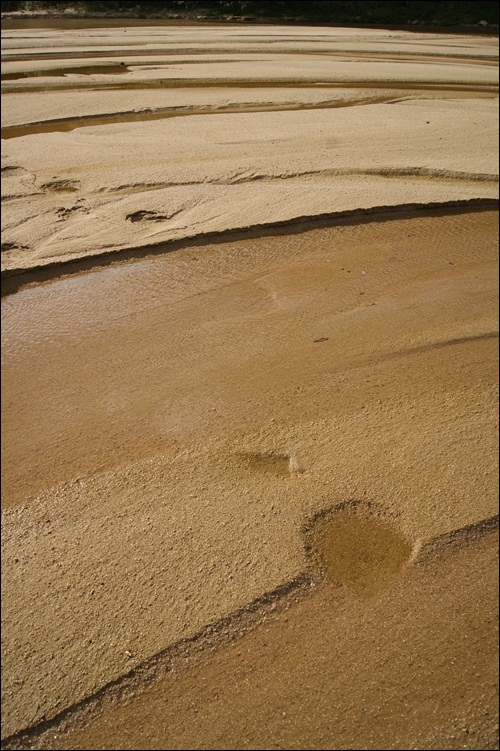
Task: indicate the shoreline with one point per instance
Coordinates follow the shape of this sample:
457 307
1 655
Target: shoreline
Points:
17 278
196 19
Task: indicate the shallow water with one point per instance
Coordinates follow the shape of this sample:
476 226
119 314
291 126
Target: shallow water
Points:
358 549
192 409
69 124
84 70
103 344
480 89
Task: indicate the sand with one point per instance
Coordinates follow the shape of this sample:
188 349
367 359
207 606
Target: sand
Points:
71 195
320 670
197 441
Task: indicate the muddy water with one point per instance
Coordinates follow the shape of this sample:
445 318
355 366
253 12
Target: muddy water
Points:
357 548
104 69
429 86
64 126
487 60
84 70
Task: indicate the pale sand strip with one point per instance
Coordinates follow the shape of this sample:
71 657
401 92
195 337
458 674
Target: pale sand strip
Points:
24 109
247 39
235 171
332 160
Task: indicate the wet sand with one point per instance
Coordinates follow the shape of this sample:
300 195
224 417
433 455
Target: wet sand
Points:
198 444
199 418
321 669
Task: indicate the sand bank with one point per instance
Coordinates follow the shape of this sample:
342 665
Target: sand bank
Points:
99 189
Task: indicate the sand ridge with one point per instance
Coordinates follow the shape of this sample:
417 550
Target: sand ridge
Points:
188 174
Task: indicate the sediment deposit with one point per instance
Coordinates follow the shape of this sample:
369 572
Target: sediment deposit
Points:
249 384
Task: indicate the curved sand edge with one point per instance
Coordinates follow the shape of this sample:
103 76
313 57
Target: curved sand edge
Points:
14 278
138 686
108 188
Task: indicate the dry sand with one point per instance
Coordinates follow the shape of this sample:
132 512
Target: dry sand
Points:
133 184
257 475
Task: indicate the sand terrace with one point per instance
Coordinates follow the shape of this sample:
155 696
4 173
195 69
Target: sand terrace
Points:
194 436
405 106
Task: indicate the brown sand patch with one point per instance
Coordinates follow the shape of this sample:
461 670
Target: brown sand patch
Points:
173 394
321 668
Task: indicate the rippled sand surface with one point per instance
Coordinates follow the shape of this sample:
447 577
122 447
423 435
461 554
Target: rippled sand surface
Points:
249 477
302 122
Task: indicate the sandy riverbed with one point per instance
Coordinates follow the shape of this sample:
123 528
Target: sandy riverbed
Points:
206 450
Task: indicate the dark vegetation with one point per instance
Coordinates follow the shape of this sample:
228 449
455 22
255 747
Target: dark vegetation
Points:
357 12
